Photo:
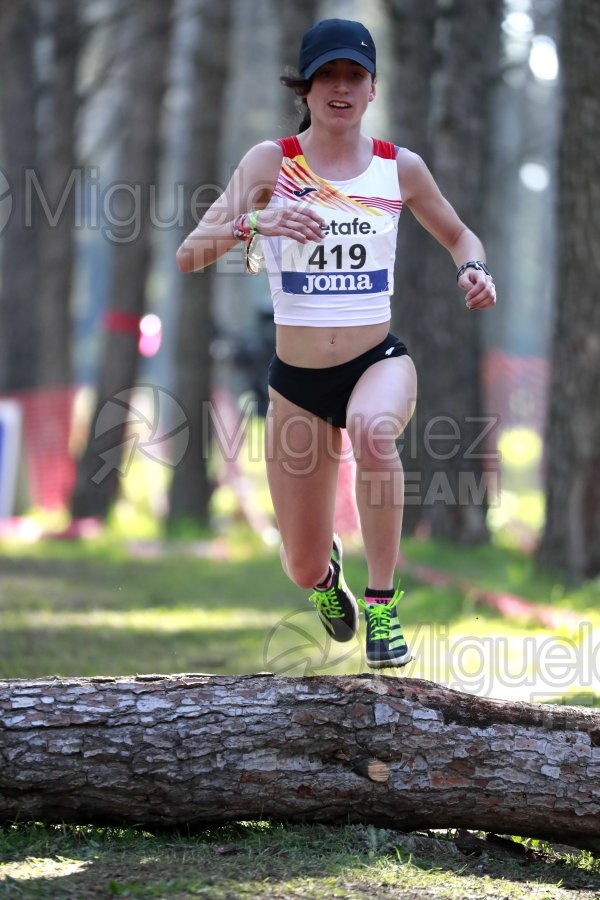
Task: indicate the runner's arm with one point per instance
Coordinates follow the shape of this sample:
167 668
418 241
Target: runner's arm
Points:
427 203
425 200
251 187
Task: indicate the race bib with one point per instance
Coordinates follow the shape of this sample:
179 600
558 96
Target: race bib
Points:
354 258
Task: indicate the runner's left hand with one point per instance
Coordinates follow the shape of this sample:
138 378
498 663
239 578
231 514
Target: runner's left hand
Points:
479 287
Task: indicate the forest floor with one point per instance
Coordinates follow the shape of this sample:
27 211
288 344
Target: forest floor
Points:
105 606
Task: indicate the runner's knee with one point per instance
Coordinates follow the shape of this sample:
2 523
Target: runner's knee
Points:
305 569
374 440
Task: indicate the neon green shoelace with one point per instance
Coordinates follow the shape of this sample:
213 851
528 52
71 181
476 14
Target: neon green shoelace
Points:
380 615
328 603
379 620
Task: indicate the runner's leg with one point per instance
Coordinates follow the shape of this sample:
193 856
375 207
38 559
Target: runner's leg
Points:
379 409
302 454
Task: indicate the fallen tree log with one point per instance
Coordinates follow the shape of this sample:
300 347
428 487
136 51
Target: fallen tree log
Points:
190 750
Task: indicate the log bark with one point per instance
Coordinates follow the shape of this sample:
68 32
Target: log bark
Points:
191 750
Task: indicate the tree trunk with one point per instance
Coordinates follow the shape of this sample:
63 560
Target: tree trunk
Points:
293 20
58 168
411 35
571 537
146 37
199 749
19 228
451 394
443 451
190 487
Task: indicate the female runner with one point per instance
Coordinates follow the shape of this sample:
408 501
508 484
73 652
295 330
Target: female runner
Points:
326 204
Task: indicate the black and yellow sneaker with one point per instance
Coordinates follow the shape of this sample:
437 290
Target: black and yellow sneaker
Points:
386 645
335 603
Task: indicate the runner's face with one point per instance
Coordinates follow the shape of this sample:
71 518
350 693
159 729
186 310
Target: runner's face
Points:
340 92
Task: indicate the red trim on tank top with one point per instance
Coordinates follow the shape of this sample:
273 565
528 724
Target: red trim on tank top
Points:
291 148
384 149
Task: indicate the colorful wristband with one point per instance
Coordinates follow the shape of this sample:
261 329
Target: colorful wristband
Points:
253 222
239 228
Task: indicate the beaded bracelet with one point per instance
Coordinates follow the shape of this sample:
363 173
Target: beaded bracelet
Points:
240 229
245 228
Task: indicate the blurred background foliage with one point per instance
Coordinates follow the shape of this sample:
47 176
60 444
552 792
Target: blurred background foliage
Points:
134 396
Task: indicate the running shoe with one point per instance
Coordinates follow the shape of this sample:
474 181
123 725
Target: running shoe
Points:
336 605
386 645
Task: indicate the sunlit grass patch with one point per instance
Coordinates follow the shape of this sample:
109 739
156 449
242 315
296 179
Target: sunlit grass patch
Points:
271 860
166 620
93 608
497 658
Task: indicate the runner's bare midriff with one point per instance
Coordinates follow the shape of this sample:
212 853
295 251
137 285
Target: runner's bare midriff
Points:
319 348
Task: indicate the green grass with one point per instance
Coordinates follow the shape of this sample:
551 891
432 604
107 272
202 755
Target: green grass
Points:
98 608
257 860
224 606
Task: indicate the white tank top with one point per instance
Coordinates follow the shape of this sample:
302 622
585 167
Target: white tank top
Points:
349 277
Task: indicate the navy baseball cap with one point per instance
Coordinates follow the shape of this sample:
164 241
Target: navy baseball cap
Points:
336 39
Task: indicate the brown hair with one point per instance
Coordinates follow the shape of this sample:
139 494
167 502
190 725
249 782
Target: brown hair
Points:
300 86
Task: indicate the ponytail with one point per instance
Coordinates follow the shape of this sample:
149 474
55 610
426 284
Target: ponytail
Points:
305 121
301 87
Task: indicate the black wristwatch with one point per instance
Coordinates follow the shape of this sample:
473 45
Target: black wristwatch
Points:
473 264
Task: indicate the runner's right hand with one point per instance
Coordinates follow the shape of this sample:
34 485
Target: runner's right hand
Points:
299 223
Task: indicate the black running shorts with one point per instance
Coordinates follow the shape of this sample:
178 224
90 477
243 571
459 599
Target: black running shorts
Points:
326 392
